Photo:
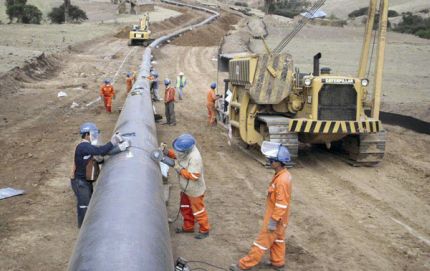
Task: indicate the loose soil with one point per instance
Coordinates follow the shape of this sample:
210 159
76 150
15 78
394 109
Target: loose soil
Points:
210 35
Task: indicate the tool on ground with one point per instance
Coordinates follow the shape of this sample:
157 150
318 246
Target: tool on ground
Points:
183 265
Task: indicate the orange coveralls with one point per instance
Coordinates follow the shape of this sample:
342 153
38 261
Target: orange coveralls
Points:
192 208
129 83
210 104
277 208
108 93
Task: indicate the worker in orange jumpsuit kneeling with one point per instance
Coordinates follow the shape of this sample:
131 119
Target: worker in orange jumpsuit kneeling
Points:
129 81
107 93
189 166
272 234
210 104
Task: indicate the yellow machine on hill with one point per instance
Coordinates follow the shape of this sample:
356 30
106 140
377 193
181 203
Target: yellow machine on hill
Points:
140 34
273 101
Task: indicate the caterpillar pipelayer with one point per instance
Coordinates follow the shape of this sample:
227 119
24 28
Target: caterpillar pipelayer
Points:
140 34
272 101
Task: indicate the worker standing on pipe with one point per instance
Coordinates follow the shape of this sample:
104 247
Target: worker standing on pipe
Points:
189 166
169 103
181 81
85 167
210 104
107 93
129 81
272 234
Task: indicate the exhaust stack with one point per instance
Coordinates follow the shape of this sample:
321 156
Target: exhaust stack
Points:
317 64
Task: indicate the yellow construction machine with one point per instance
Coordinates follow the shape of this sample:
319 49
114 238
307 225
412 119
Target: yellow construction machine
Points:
140 34
273 101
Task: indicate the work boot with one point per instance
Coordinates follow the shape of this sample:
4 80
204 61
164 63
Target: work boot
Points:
274 267
202 235
165 123
181 230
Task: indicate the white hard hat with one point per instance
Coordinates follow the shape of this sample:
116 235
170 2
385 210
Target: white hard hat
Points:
181 74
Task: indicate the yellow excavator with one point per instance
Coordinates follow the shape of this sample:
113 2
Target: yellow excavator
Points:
140 34
273 101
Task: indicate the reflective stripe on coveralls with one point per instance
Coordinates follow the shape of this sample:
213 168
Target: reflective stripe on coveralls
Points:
277 203
195 211
107 91
193 188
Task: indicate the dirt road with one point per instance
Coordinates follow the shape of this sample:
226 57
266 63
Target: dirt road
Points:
343 218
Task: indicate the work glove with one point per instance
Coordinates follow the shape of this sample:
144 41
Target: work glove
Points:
177 167
116 139
124 145
272 224
163 146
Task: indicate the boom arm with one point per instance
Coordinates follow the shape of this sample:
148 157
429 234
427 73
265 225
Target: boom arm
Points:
364 59
383 20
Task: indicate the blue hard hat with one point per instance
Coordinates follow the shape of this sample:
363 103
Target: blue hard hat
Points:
275 152
129 74
166 81
184 143
106 81
213 85
154 73
88 127
283 155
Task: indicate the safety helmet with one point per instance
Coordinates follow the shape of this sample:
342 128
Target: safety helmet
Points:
184 143
213 85
181 74
275 152
106 81
166 82
154 73
129 74
91 128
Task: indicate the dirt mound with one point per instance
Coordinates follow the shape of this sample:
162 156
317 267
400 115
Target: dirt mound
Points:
39 68
172 22
123 34
210 35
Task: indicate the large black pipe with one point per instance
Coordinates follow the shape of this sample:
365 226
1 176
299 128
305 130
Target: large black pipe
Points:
126 226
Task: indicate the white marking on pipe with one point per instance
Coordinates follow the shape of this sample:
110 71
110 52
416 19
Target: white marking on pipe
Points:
412 231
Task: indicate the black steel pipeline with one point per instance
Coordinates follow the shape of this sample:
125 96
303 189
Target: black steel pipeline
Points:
126 226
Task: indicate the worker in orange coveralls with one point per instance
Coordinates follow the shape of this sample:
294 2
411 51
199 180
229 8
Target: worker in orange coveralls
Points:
272 234
129 81
189 166
210 103
107 93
